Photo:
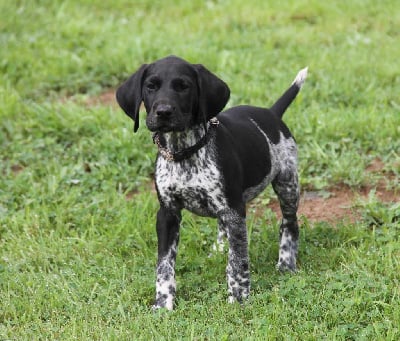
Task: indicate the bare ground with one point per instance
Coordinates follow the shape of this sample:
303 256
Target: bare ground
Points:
336 204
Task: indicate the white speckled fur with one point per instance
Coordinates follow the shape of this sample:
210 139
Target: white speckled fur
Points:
287 251
166 287
165 283
192 180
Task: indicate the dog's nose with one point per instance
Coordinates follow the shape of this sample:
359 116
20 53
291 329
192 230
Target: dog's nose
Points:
164 110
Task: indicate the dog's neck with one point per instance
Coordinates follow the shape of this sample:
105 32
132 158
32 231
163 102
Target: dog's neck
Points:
177 146
176 141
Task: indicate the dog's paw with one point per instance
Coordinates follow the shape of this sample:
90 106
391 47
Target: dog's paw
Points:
231 300
163 302
241 299
218 246
283 266
157 307
216 250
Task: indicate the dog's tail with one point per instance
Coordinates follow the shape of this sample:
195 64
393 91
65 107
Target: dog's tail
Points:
290 94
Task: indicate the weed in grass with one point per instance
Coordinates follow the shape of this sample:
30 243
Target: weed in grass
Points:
378 214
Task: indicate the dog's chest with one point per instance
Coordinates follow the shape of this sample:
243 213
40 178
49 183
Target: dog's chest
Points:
194 184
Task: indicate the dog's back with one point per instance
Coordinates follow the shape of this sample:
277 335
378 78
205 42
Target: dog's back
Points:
258 144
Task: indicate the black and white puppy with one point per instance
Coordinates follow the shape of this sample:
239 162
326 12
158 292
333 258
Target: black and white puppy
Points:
212 163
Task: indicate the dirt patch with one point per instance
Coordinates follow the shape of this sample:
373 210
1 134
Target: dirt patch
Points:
332 205
16 169
336 204
106 98
340 202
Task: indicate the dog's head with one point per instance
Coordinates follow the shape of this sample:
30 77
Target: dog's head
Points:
176 94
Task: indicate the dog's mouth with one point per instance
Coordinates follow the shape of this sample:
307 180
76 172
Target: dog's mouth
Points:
162 129
164 126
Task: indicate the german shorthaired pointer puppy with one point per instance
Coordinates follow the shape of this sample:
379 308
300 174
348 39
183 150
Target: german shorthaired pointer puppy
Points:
212 163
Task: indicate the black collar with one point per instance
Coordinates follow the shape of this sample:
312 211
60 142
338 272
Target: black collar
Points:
187 152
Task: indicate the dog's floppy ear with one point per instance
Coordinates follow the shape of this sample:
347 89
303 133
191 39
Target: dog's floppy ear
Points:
129 95
213 93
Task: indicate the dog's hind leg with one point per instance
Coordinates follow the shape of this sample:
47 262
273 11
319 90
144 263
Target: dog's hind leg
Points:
168 237
287 188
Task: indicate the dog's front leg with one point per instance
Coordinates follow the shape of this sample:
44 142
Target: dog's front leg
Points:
168 237
237 270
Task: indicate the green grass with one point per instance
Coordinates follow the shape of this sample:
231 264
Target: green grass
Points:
77 258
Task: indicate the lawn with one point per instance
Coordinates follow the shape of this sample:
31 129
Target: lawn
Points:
77 208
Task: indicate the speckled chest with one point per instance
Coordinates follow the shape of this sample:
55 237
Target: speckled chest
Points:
195 184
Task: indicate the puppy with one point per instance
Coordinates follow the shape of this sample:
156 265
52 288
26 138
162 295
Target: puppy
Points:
212 163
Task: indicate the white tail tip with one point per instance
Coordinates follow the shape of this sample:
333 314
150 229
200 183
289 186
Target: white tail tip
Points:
301 77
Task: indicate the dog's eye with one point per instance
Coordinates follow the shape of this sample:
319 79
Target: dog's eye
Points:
152 85
180 85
